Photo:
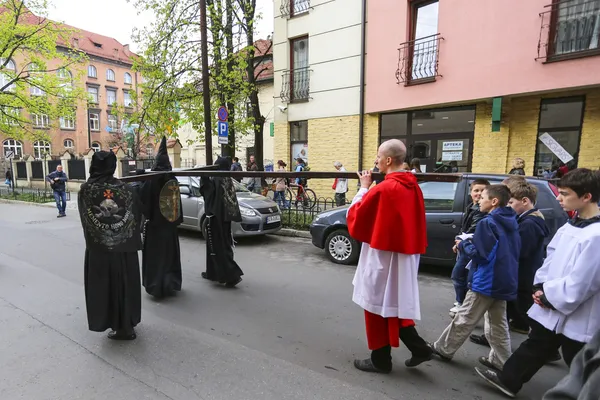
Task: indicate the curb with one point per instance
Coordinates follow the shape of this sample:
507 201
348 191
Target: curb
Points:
293 233
27 203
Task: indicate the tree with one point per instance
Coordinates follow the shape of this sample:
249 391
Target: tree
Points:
170 64
37 66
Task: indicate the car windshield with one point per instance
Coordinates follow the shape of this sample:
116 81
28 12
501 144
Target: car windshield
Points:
239 188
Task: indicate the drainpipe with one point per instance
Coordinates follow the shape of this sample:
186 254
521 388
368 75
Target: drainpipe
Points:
361 107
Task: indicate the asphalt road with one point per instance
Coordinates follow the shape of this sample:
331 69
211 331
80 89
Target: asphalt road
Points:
289 331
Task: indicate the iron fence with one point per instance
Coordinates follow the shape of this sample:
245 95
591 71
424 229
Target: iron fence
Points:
29 195
298 216
418 60
289 8
295 85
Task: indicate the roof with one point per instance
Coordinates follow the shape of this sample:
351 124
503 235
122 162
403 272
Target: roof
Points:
91 43
264 71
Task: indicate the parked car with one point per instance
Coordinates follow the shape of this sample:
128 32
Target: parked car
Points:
260 215
444 206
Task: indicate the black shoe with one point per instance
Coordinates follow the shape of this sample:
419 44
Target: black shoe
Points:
492 378
368 366
233 284
121 335
524 330
437 353
487 363
415 361
204 275
480 340
554 357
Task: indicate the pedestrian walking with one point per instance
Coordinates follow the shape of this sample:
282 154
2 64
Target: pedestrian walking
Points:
566 291
494 251
415 166
340 186
221 208
110 216
58 182
9 179
385 283
161 255
281 186
473 215
254 183
236 166
518 167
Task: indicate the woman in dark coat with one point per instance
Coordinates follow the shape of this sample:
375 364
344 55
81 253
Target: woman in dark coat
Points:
222 208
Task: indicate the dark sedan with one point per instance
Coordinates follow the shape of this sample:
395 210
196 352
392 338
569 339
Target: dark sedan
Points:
444 205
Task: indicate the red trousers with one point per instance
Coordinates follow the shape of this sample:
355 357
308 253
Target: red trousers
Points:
384 331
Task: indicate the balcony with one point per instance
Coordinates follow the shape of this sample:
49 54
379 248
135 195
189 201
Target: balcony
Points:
569 29
418 60
291 8
295 85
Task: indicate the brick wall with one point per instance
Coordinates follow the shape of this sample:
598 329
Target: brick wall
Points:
490 149
282 142
370 140
524 118
589 148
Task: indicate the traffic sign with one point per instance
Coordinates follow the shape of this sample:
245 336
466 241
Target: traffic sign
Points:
9 154
222 114
223 128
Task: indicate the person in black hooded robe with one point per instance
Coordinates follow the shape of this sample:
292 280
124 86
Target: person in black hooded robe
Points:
110 216
221 208
161 258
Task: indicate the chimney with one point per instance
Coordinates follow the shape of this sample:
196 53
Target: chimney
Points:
126 47
116 53
76 43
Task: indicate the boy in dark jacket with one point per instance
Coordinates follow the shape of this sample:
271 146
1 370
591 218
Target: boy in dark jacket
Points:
472 216
533 231
494 251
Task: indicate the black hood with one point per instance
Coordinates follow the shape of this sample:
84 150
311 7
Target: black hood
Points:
582 223
162 162
104 164
224 163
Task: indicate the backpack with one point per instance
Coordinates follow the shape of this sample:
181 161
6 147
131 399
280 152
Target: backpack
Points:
304 181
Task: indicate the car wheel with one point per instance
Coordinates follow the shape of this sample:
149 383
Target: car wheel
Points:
341 248
204 228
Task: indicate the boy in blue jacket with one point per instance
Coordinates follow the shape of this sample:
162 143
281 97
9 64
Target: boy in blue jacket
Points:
494 251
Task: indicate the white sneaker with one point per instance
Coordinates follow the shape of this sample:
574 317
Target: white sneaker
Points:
456 303
455 308
452 314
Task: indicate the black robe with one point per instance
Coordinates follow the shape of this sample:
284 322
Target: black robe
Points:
221 208
110 217
161 258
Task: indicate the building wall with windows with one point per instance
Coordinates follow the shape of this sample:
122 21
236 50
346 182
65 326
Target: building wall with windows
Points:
317 47
108 77
471 86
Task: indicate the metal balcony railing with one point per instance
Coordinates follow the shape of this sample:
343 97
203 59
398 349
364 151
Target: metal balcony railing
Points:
296 85
569 29
418 60
289 8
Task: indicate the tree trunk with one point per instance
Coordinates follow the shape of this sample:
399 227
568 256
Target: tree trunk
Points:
229 148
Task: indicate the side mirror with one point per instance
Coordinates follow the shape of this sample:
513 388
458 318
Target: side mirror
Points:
185 190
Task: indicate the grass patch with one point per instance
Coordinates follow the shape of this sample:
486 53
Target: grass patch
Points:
28 197
297 219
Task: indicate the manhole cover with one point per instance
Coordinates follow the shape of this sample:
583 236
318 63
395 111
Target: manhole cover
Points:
36 222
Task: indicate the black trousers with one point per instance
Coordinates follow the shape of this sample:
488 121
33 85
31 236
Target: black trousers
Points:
340 199
532 354
516 310
382 358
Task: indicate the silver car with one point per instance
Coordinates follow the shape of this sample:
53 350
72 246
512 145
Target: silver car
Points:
260 215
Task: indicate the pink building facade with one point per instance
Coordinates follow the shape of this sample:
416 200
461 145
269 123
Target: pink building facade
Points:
472 85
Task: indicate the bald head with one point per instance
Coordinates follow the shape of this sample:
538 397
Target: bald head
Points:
391 155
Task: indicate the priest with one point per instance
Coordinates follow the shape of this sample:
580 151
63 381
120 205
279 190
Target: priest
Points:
221 208
110 217
389 221
161 257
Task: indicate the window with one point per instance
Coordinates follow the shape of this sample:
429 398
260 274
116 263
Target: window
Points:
127 98
294 7
68 144
14 146
11 115
6 78
92 72
438 196
150 150
40 149
574 27
67 122
112 123
95 121
299 80
96 147
299 141
93 92
559 133
110 75
127 79
40 120
34 71
111 96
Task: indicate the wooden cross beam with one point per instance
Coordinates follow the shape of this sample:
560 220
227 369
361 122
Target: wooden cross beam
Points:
210 171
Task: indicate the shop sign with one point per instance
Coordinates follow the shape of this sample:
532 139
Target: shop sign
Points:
556 148
452 155
452 146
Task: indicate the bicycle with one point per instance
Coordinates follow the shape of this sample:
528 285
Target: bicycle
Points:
304 196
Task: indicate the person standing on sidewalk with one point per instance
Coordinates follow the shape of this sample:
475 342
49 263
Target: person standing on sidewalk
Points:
385 283
254 183
110 216
58 182
566 290
341 186
9 179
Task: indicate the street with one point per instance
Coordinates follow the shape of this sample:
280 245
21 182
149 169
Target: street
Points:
289 331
